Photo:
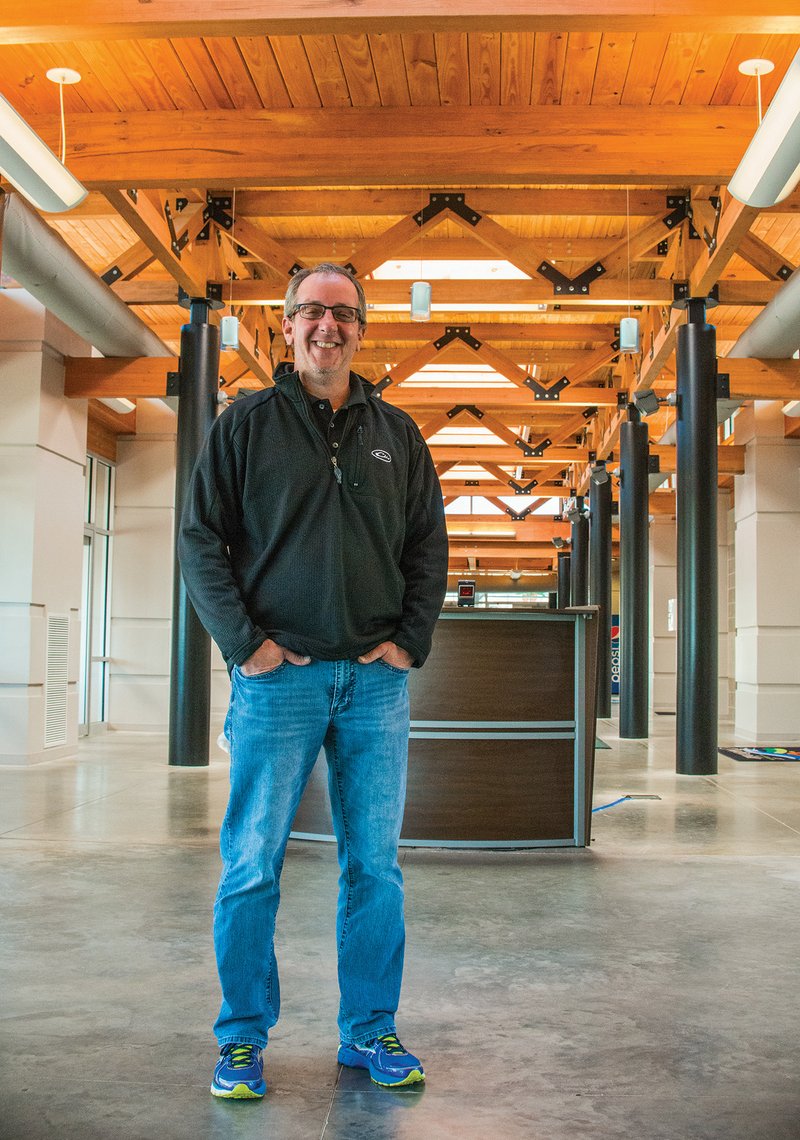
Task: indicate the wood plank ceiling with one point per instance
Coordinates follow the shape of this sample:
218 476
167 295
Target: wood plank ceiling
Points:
548 173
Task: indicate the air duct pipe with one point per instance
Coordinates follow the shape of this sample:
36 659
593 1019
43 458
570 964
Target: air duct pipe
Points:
42 262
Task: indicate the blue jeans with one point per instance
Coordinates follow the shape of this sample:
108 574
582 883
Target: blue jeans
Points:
277 723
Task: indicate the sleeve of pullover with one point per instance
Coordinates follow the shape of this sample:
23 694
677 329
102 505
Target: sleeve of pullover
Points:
210 519
424 559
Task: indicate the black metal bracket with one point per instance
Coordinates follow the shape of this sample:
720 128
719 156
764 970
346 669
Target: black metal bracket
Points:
680 206
563 285
653 465
133 194
471 408
457 332
111 275
680 294
542 393
213 296
520 490
535 452
723 385
176 243
173 383
518 516
439 202
622 399
181 204
217 207
587 413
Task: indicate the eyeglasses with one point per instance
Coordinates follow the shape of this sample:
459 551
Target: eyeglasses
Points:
314 311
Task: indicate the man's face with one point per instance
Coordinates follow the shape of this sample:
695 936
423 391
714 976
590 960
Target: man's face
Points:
324 347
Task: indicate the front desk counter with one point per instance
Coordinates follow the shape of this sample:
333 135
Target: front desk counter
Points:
502 734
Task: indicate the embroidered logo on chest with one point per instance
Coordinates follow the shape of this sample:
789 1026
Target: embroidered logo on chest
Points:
384 456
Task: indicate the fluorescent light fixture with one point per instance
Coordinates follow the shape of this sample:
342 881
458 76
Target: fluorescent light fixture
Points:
118 404
30 166
770 168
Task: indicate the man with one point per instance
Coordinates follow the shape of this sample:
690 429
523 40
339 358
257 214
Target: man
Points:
314 549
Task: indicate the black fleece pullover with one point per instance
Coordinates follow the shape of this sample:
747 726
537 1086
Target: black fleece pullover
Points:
327 554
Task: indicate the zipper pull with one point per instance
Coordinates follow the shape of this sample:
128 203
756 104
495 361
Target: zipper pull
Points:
336 470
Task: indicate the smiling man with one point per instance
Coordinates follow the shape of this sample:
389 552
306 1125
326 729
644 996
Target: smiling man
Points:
314 549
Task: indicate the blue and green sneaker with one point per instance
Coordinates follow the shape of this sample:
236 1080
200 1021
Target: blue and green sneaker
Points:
239 1073
389 1064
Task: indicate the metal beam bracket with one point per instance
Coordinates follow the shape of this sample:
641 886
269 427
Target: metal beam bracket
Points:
723 386
457 332
520 490
551 393
653 465
217 207
587 413
173 383
457 409
439 202
533 452
680 206
176 243
518 516
563 285
111 275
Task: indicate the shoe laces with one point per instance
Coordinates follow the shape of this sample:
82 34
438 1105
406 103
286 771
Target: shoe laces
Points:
391 1045
239 1056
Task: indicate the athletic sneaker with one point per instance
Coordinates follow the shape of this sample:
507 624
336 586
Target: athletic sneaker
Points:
389 1064
239 1072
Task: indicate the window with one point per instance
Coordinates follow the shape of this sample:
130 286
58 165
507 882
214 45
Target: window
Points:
95 617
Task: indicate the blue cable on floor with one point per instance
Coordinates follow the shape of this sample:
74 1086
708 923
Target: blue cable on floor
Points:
603 807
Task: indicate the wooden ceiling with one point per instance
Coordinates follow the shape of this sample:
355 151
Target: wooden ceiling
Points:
548 172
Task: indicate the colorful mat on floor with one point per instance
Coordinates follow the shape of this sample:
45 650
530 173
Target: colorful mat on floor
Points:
777 752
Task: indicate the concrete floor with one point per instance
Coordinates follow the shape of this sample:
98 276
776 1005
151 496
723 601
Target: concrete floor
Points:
643 989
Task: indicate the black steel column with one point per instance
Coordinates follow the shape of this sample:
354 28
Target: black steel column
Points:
580 554
600 578
634 601
564 576
190 675
697 695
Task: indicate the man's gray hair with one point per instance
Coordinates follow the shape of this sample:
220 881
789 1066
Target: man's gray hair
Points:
328 269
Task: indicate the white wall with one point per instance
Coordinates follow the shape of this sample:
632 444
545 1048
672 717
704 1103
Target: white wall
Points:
42 459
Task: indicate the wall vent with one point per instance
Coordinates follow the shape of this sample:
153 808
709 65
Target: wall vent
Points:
55 685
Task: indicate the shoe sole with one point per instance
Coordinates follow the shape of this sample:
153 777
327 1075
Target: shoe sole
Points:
238 1092
413 1078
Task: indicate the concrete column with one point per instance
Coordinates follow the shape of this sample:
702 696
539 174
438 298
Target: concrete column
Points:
767 551
663 613
141 597
42 477
726 593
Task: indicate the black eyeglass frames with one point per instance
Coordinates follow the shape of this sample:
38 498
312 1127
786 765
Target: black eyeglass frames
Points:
313 311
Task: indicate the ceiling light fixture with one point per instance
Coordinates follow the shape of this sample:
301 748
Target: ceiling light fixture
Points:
29 164
770 168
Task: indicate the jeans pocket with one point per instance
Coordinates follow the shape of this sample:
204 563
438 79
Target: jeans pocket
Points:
392 668
261 676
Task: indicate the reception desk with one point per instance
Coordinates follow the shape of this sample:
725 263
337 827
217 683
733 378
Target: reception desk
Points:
501 753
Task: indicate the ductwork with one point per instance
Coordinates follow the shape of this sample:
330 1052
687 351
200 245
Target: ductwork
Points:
42 262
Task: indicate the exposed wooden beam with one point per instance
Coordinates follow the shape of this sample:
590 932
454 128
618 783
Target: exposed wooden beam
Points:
461 295
734 223
506 400
497 453
752 379
46 20
447 145
133 377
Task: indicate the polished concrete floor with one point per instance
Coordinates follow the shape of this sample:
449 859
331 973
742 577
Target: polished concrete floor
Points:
645 988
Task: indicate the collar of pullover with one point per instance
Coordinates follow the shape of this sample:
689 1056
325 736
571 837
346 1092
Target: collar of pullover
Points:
289 383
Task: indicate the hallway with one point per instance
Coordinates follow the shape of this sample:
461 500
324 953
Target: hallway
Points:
643 989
